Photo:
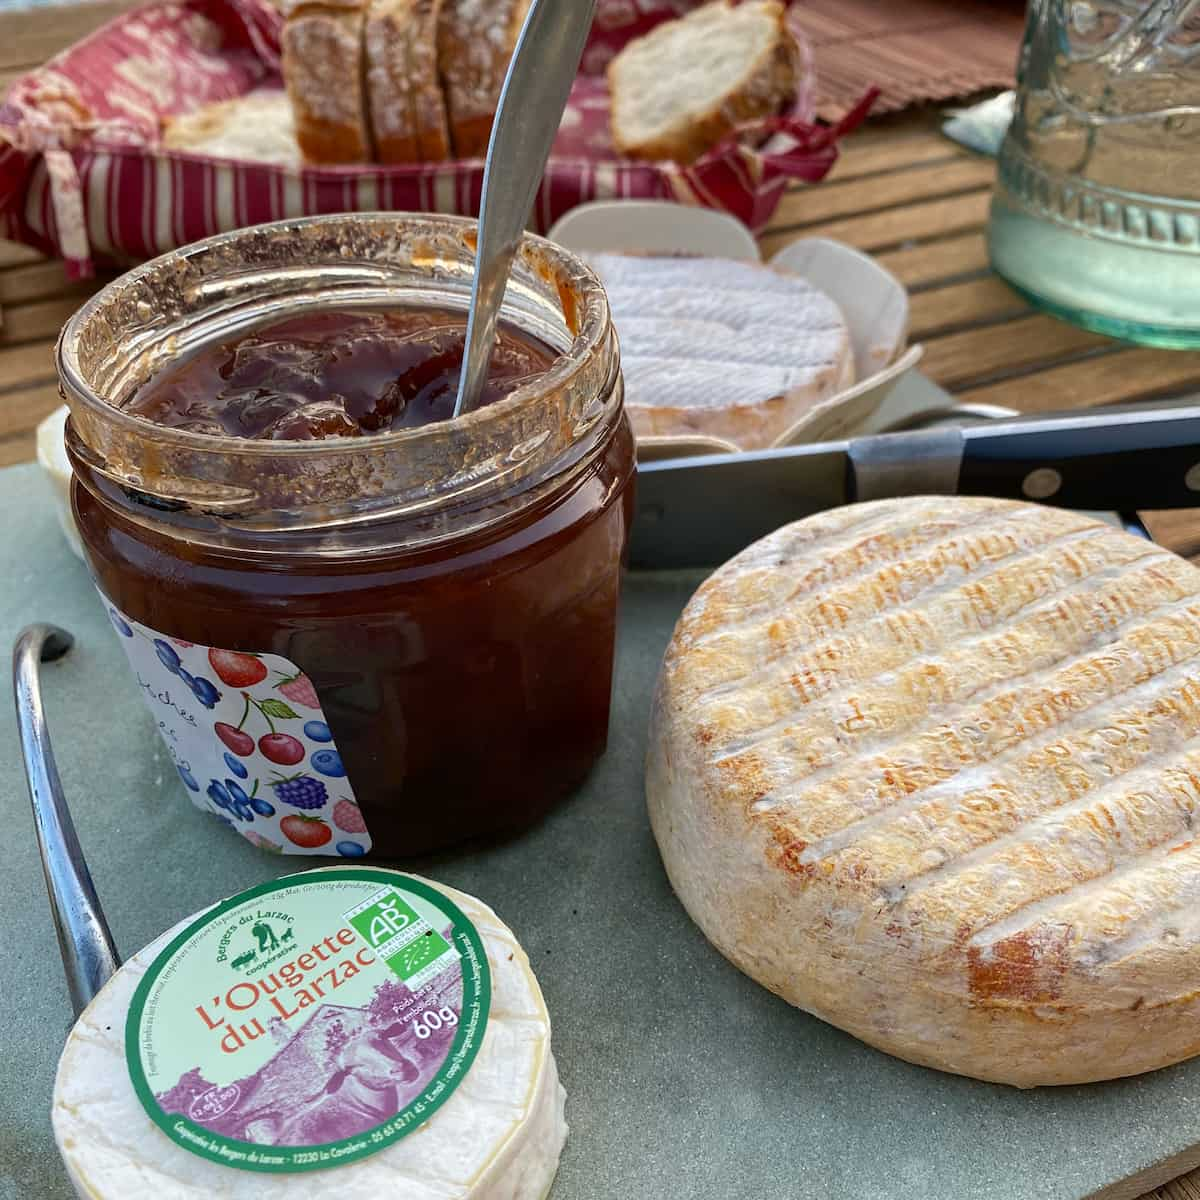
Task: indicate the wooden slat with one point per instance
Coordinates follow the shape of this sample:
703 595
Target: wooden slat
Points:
18 449
24 366
831 200
895 226
39 281
1187 1188
32 36
936 262
962 306
856 159
42 319
1180 530
1127 374
21 411
13 254
976 356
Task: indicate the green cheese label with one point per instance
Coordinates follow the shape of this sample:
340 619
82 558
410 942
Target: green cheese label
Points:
310 1021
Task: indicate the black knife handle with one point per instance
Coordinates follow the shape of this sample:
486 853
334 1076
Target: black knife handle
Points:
1147 459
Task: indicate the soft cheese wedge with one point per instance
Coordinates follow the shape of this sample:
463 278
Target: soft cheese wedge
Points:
722 349
498 1136
930 770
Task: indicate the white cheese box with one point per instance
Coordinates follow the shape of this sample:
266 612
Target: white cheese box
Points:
872 301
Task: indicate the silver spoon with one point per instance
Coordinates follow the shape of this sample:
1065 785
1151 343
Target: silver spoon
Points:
88 954
532 100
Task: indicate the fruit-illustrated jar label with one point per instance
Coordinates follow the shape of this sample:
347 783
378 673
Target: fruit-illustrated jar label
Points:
310 1021
250 742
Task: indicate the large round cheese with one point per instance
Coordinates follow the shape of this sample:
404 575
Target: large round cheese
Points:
929 769
498 1137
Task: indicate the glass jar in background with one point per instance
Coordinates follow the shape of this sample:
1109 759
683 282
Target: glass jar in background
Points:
375 645
1096 215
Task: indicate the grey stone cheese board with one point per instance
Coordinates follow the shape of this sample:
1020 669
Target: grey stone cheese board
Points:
685 1080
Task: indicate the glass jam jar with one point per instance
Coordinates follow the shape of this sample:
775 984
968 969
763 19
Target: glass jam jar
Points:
382 644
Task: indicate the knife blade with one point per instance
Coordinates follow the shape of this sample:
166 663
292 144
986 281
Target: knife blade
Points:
700 511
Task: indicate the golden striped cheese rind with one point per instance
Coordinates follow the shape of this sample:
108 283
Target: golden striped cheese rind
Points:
498 1137
929 769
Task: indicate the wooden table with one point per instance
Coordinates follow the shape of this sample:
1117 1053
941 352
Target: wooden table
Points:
900 191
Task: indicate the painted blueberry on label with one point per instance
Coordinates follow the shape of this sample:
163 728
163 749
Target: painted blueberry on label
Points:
218 795
350 850
166 655
238 768
204 691
317 731
262 807
188 778
328 762
119 623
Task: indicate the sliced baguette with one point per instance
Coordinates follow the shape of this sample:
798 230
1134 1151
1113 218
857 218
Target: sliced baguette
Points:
475 42
686 85
323 65
408 112
389 80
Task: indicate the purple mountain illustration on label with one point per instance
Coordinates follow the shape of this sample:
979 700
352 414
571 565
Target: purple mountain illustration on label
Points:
343 1072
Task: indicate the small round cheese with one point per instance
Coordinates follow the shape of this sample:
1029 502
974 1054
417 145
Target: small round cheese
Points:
930 770
498 1137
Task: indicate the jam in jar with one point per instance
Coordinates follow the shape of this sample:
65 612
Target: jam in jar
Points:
379 630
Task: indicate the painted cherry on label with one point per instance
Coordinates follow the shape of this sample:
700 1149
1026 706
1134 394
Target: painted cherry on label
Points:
281 748
240 742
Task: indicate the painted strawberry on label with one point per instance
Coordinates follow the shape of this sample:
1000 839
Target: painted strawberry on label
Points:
236 669
347 816
308 832
299 689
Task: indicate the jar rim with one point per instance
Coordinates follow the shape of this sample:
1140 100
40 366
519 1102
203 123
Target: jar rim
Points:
591 330
213 288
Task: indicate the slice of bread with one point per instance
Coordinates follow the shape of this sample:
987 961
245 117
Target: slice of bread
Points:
404 92
429 101
475 42
389 80
257 126
323 67
686 85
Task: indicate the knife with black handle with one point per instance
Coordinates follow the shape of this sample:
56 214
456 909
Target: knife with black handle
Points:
700 511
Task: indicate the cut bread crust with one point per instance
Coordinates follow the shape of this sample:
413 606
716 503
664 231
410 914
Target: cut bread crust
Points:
429 101
323 68
404 92
389 80
688 84
475 42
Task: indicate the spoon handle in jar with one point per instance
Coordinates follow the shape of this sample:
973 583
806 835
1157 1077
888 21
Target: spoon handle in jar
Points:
535 93
88 954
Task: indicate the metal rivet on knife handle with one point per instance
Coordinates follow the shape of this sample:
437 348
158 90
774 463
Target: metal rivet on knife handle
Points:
1192 479
1042 483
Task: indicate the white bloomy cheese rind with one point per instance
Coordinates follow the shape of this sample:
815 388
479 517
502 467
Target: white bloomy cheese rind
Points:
498 1137
930 770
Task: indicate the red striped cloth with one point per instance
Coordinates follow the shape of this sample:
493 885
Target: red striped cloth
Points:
82 174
